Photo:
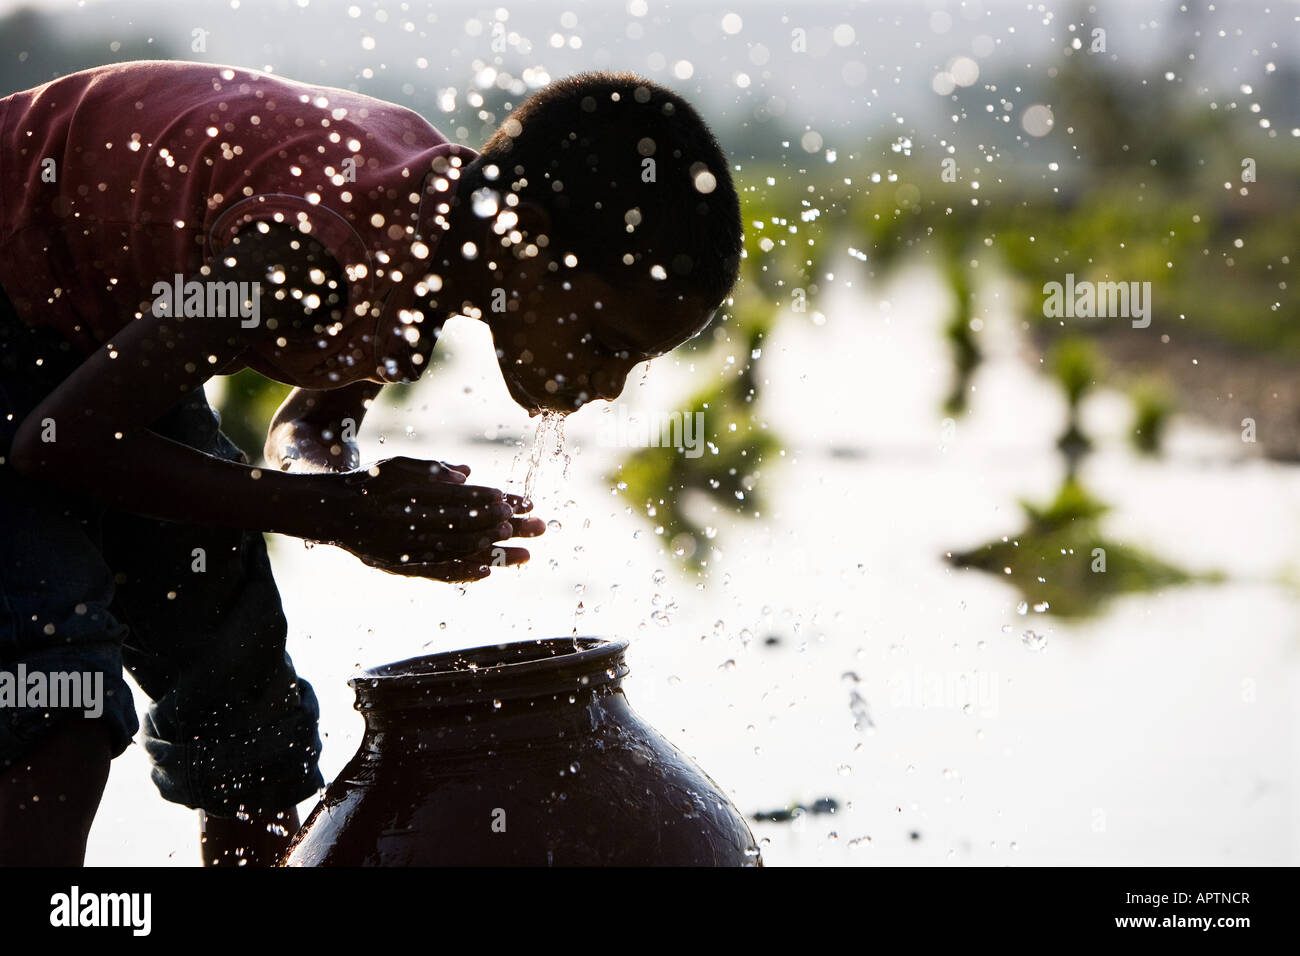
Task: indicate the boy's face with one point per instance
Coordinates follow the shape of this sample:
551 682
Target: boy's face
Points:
574 337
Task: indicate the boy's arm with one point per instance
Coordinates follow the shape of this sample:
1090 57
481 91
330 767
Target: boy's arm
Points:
403 515
315 432
100 416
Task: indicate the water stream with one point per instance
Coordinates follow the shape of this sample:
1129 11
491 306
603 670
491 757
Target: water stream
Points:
548 443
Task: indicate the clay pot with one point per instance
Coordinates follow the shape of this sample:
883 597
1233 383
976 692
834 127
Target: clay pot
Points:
521 754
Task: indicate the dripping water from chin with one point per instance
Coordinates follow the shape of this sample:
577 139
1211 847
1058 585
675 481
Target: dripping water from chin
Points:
548 443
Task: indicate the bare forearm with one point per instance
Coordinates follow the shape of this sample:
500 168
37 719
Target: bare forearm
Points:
338 410
146 474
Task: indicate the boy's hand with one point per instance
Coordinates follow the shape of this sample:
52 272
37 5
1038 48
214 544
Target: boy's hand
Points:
314 432
299 448
419 518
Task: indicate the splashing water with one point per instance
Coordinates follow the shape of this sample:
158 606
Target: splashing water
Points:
548 445
548 442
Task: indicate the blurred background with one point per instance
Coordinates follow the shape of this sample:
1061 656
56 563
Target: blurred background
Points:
952 581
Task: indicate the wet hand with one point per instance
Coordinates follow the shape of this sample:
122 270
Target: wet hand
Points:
300 449
421 519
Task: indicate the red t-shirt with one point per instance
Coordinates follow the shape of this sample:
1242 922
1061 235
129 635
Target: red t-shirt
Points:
156 166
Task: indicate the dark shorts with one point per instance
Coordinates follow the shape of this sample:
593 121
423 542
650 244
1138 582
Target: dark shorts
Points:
191 612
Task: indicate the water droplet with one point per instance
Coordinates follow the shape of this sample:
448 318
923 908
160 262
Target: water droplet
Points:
1033 640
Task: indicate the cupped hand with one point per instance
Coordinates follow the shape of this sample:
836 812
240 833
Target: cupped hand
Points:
299 449
421 519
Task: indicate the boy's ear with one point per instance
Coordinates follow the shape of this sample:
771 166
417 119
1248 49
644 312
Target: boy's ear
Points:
534 219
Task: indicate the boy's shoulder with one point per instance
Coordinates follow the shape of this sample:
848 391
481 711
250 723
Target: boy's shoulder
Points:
162 162
148 86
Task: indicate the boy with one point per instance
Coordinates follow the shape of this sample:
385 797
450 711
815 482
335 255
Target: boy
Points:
164 222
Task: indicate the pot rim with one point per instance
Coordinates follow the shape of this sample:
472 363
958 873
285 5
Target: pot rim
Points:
546 666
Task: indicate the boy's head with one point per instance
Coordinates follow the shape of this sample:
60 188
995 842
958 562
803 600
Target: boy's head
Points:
624 239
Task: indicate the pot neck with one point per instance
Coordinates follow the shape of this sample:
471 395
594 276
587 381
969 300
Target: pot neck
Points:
504 679
569 721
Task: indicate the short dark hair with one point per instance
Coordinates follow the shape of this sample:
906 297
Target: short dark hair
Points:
579 149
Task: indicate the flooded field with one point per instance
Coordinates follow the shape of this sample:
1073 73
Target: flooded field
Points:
831 658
